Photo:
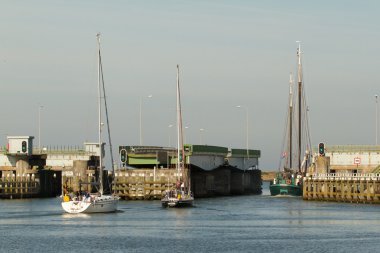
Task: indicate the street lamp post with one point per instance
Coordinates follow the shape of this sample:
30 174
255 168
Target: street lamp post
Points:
140 128
186 127
247 127
376 117
170 126
39 127
200 136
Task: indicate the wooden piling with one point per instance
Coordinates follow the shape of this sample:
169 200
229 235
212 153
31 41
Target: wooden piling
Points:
144 183
19 187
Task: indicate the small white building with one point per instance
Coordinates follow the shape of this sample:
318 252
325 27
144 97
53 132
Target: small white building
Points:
20 145
353 158
93 147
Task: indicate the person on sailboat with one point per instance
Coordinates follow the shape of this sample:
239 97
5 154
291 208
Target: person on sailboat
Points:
178 184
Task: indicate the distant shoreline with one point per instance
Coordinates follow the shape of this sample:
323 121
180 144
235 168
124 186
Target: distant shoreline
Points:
267 176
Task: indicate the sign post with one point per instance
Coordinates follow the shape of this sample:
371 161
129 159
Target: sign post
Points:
357 161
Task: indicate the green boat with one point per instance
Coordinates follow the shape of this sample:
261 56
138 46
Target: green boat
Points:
288 180
283 185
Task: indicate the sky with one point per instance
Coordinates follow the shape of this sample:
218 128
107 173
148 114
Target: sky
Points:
230 53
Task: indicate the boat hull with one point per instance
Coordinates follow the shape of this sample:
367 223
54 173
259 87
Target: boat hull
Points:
177 198
177 202
102 204
285 190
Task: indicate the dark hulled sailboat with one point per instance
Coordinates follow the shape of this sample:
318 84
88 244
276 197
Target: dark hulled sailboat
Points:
180 195
288 180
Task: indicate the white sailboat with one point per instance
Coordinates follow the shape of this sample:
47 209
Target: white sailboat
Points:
181 195
98 202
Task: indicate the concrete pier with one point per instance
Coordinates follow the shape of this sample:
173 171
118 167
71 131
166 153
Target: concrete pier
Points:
353 188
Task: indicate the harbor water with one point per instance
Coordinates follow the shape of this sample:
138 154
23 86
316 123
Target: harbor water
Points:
254 223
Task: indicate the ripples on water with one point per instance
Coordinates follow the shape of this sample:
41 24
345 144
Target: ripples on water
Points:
226 224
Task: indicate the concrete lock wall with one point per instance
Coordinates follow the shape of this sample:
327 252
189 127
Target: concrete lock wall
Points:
152 183
73 175
245 182
252 181
7 160
211 183
21 167
321 165
206 162
243 163
237 179
225 180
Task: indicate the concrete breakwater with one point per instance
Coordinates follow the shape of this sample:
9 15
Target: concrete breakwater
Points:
345 187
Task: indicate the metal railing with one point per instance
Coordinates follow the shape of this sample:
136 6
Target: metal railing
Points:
350 148
345 176
64 150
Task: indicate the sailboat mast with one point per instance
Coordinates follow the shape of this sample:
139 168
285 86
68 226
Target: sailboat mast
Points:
291 121
299 104
180 150
100 121
108 122
178 126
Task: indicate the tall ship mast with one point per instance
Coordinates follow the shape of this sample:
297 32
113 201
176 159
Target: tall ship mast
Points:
290 119
288 180
299 71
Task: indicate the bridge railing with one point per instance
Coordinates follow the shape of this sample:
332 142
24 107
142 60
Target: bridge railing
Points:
346 176
62 150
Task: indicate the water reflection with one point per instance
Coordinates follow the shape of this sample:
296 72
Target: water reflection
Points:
232 224
70 216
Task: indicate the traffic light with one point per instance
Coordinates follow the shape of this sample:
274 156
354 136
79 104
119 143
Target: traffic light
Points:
23 146
123 155
321 149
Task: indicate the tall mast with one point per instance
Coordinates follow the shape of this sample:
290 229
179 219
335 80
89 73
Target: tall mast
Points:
290 120
180 151
100 121
299 103
107 120
178 126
